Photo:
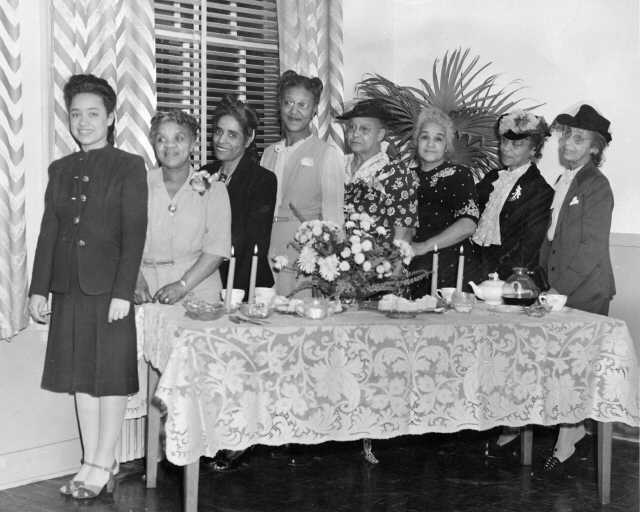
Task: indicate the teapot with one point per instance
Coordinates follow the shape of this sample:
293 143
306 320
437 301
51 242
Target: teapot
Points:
490 290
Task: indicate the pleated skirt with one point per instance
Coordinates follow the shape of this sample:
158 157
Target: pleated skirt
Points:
85 353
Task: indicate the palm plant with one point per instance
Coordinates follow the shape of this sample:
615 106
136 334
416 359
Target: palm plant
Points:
473 102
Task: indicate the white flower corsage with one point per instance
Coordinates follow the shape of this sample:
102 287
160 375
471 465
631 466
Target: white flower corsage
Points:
307 162
201 181
516 194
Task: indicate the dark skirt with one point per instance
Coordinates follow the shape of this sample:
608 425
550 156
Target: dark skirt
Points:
85 353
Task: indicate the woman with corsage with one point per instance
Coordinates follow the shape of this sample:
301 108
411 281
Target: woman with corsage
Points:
514 201
87 256
447 200
189 233
309 171
515 204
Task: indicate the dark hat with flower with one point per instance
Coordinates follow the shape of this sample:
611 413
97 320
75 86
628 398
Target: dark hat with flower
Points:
367 108
587 118
520 125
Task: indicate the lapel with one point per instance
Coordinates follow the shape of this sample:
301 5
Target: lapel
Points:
240 176
574 190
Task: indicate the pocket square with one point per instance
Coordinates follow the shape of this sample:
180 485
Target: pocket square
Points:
307 162
574 201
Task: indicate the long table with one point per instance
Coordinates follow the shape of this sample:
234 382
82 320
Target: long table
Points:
360 374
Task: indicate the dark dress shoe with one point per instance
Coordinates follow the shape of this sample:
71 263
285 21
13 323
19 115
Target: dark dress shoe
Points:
554 469
508 450
225 460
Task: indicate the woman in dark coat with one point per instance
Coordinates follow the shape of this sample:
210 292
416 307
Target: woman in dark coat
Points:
515 216
514 201
88 254
251 187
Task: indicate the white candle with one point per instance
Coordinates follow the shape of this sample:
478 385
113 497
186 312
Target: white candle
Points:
460 269
252 277
230 277
434 271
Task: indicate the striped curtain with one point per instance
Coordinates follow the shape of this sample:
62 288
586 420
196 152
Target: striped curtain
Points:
112 39
13 251
310 37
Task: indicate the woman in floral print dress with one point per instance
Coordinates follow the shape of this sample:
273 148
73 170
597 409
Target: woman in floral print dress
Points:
374 184
447 201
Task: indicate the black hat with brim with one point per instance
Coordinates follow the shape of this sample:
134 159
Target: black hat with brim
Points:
366 108
587 118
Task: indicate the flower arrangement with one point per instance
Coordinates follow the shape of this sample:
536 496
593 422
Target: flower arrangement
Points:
354 261
201 181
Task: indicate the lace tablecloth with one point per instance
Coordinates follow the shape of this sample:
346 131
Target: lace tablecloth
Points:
360 374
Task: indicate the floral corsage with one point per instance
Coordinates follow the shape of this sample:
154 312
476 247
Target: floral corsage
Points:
201 181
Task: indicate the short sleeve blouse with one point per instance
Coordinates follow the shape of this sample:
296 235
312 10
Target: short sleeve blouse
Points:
446 194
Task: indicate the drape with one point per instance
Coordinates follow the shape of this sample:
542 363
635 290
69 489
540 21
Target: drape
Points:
13 251
113 39
310 37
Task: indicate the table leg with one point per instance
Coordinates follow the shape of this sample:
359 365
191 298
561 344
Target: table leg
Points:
526 445
190 484
604 461
153 428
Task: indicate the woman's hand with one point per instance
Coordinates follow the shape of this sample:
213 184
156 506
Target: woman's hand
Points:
141 293
118 309
170 293
420 248
39 309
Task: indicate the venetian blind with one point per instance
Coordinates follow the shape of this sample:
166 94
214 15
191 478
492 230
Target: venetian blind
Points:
206 49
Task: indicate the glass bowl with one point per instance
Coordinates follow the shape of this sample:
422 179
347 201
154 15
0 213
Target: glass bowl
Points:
200 309
256 310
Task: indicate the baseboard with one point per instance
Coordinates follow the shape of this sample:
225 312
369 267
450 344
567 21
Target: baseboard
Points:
39 463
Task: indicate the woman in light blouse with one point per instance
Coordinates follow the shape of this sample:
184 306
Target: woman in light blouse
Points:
189 230
309 171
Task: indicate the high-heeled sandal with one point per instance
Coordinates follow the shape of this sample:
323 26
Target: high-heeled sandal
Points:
90 492
67 489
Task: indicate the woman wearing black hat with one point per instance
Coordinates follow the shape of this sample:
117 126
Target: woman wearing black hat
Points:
514 201
376 184
575 254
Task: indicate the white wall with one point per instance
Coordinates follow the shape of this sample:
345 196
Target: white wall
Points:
565 52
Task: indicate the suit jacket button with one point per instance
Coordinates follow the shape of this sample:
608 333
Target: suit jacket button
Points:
553 268
85 179
73 198
81 243
76 220
83 198
76 177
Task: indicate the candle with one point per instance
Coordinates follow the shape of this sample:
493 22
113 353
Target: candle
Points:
252 277
434 271
230 277
460 269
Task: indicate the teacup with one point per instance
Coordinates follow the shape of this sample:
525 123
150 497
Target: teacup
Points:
462 302
264 295
555 301
237 294
445 294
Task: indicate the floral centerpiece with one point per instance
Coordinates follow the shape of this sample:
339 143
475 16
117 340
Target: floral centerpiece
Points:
354 261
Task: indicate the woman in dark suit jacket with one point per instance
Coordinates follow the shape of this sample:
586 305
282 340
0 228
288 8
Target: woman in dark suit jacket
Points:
514 201
515 215
88 253
251 188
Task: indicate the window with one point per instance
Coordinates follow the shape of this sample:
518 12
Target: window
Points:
206 49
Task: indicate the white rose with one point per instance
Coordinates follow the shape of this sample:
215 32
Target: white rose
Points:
366 266
344 266
380 269
326 237
359 258
356 248
381 230
367 245
354 239
346 252
317 230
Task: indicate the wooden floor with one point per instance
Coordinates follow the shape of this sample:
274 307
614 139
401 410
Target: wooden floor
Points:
417 473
